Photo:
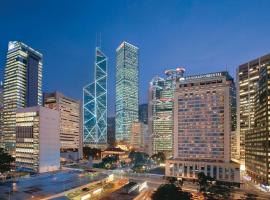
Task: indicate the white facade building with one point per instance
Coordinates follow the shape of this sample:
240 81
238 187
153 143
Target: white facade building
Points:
37 139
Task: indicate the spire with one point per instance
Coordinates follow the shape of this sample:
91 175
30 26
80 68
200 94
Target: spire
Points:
98 40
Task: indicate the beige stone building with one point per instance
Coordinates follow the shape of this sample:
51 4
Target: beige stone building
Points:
70 123
203 121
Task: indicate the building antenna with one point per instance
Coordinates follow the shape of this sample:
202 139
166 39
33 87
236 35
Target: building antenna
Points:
100 39
96 39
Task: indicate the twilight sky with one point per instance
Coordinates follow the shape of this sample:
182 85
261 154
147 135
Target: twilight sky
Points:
202 35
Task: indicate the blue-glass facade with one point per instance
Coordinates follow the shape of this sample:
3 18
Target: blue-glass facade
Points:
95 104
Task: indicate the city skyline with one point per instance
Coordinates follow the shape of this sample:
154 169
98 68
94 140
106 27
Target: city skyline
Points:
220 42
134 99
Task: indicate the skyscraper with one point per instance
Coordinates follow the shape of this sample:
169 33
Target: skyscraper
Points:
127 80
22 86
247 80
70 123
1 117
111 131
203 118
143 113
139 137
95 105
257 152
160 104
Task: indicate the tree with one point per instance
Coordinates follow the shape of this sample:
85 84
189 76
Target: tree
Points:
138 168
170 192
94 152
218 190
138 158
159 157
202 179
5 161
171 179
180 182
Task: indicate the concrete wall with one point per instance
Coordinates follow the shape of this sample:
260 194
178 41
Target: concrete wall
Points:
49 154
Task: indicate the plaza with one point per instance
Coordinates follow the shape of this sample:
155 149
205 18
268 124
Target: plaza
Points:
45 185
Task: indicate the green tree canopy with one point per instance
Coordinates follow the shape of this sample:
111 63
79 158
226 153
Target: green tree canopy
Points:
94 152
171 179
170 192
159 157
5 161
138 158
202 179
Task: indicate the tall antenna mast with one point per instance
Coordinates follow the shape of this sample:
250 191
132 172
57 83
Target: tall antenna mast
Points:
96 39
100 39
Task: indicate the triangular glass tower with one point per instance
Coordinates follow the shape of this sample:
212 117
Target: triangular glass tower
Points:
95 104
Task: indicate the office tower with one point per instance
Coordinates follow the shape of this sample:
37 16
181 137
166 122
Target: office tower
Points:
37 139
70 123
138 137
202 128
1 117
127 67
247 79
257 153
234 146
95 105
234 137
160 113
143 113
22 86
111 131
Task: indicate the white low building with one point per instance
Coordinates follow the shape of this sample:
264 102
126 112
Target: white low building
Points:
37 139
224 172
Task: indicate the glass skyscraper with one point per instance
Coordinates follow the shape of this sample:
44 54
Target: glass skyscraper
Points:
254 114
247 78
143 113
22 86
1 117
161 92
95 105
127 67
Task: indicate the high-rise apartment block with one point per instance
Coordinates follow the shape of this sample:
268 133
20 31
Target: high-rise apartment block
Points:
37 139
127 81
254 95
95 105
203 121
22 86
160 105
70 121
